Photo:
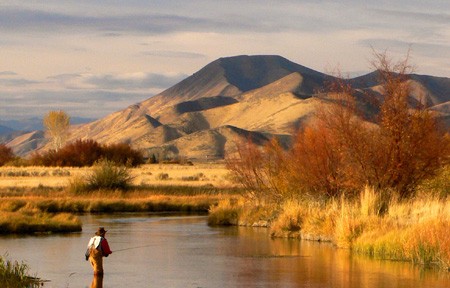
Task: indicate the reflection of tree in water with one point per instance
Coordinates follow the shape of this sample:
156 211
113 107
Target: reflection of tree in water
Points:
97 281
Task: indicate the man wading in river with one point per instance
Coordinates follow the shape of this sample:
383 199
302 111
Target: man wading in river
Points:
98 248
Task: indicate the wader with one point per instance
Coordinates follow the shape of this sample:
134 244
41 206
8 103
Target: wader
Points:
96 259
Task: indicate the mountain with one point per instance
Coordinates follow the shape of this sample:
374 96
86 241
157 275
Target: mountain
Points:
230 99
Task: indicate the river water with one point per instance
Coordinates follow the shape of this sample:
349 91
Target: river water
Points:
182 251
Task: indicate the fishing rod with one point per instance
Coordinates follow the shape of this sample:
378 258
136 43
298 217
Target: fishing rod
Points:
130 248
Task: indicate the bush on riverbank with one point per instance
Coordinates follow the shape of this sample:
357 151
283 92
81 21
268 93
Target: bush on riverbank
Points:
106 175
15 275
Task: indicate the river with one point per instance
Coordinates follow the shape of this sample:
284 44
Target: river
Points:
182 251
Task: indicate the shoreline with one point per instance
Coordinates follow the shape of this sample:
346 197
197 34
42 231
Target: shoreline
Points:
55 210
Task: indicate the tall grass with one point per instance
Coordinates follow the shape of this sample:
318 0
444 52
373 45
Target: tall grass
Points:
237 211
386 228
15 275
226 212
32 221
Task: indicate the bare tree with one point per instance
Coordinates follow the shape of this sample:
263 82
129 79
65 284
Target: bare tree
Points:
57 125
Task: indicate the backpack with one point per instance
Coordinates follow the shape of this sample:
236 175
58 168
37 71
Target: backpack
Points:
92 246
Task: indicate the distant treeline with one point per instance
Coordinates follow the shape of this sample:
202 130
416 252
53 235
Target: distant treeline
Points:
77 154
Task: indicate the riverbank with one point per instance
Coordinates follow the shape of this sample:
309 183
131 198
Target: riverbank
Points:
40 199
54 210
14 274
414 230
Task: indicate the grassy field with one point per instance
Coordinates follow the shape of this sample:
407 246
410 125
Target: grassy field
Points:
37 199
153 174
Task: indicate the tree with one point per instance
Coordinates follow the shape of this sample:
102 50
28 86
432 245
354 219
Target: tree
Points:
6 154
345 148
57 124
406 146
414 142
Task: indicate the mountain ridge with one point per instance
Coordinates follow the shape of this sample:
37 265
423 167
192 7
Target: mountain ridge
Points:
260 95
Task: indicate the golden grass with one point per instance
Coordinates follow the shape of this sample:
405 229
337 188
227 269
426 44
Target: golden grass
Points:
234 210
53 212
178 175
33 198
416 231
226 212
27 220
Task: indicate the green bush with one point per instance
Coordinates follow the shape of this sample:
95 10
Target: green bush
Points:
439 185
107 175
162 176
78 185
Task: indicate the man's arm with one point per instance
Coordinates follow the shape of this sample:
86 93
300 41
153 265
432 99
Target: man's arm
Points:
105 247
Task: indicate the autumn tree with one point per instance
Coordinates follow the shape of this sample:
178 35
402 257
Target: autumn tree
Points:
402 147
6 154
57 125
81 153
345 148
413 139
260 170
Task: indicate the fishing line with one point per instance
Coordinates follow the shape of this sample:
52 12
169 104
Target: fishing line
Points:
125 249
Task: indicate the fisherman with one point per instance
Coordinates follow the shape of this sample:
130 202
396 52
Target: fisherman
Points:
98 248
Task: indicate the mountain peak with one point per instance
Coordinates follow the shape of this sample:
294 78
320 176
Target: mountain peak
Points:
250 72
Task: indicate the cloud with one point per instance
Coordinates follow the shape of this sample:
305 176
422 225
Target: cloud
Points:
14 82
120 82
135 81
23 19
7 73
84 95
88 45
175 54
421 48
414 16
80 103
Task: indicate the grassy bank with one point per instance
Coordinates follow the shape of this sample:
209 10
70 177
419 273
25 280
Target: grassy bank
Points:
415 230
43 209
46 199
15 275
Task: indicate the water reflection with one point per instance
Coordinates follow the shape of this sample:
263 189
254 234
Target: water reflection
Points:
97 281
159 251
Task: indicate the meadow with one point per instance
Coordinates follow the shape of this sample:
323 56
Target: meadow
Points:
151 174
39 199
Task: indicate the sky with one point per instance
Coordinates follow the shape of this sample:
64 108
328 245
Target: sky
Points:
91 58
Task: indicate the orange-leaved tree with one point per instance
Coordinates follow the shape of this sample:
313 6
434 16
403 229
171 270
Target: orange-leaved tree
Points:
346 148
402 147
412 139
6 154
